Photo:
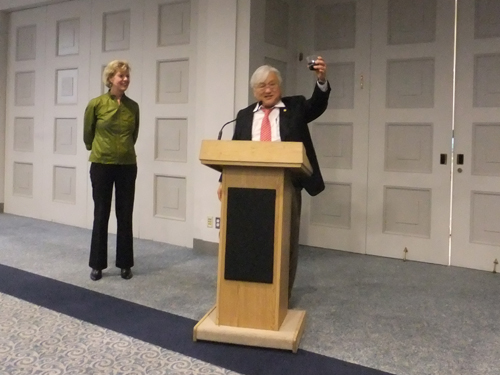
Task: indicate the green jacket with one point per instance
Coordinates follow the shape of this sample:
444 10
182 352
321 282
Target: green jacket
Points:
110 129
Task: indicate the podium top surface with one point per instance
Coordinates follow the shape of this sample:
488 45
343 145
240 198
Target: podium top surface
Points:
289 155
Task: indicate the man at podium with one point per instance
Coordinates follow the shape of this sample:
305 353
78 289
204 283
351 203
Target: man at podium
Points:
284 119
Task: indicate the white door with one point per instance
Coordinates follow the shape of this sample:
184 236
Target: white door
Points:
25 135
475 241
411 106
166 139
65 179
24 113
339 31
384 144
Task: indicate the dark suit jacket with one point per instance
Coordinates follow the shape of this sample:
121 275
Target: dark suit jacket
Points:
298 112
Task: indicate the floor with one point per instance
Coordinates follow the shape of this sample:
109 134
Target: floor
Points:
401 317
37 340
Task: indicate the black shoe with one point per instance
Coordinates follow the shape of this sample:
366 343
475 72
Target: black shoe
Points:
126 273
95 274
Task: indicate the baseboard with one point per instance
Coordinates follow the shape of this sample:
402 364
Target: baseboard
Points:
205 247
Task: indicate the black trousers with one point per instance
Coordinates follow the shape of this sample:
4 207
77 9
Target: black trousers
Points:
103 177
294 237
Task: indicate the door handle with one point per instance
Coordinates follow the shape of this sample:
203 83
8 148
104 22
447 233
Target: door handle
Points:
443 159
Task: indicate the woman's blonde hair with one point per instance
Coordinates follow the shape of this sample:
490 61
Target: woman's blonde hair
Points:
112 68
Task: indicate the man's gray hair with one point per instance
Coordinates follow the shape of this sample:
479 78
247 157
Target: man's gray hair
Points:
261 73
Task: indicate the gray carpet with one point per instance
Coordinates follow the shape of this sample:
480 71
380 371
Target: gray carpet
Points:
400 317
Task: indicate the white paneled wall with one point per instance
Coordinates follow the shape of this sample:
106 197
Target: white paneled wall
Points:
183 59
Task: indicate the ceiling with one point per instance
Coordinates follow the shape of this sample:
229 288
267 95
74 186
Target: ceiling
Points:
11 5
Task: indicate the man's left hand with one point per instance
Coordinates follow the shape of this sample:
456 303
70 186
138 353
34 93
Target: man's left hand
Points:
320 69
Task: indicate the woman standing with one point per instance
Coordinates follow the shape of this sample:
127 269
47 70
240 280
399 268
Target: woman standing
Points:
111 126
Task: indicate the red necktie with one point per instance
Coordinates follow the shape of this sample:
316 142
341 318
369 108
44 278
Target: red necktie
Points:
265 130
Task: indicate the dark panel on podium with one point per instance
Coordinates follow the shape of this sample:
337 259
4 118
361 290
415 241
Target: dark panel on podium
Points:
250 235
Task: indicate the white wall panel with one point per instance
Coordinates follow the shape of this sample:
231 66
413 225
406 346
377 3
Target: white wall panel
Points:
26 43
23 179
487 80
116 31
485 218
486 23
407 211
67 86
333 207
485 150
410 83
173 82
411 21
68 37
174 23
170 197
335 26
171 139
65 136
25 88
23 134
342 82
64 185
408 148
333 144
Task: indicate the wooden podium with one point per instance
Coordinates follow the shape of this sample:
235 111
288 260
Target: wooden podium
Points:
252 284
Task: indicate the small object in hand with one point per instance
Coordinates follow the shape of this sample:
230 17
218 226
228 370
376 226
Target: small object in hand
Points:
311 61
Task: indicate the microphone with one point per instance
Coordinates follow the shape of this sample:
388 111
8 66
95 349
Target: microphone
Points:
223 126
238 117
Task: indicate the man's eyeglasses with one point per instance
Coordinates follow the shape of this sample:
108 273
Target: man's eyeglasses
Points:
270 85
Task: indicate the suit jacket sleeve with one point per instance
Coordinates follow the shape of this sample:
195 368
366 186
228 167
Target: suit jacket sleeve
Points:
317 103
314 107
314 183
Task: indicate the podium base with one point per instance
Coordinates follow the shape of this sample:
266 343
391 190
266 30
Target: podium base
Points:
287 337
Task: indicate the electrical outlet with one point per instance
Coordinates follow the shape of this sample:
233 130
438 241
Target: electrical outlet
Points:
217 223
210 222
